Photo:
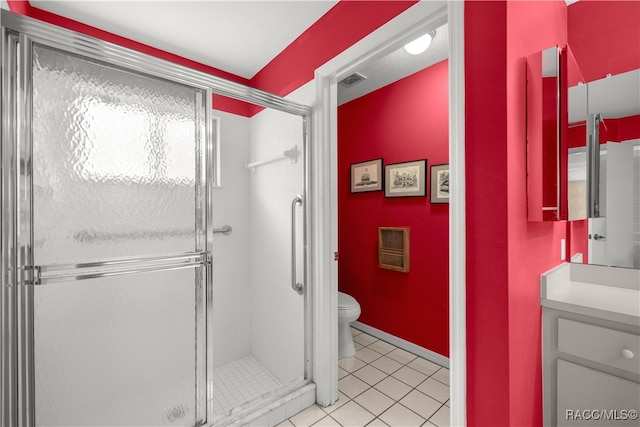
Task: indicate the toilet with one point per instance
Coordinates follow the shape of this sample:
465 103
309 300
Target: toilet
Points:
348 311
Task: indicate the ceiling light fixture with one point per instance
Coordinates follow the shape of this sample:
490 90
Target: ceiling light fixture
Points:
420 44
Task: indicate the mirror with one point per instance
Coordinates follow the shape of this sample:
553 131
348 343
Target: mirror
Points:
602 144
543 136
604 169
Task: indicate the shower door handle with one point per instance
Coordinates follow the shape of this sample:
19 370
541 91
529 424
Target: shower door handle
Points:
295 285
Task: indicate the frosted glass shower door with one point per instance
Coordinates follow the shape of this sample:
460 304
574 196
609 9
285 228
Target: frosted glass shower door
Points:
115 198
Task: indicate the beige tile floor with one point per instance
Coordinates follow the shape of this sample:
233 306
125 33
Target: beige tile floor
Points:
383 386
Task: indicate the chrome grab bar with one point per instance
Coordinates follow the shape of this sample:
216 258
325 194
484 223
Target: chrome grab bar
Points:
226 230
295 285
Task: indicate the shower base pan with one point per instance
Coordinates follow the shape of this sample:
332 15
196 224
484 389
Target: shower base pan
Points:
245 392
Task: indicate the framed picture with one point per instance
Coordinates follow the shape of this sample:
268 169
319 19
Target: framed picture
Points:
366 176
440 183
406 179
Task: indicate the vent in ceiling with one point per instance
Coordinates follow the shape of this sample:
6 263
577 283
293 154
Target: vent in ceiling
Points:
352 79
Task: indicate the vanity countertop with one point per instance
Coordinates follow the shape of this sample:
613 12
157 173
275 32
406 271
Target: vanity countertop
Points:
609 293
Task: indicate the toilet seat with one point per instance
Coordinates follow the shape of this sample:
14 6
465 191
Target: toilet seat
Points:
346 302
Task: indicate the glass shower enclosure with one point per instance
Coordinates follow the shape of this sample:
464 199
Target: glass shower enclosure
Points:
109 169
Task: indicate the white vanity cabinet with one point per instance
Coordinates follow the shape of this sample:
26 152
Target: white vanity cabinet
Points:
591 346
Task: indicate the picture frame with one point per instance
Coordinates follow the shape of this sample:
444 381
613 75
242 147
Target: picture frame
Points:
366 176
440 183
407 179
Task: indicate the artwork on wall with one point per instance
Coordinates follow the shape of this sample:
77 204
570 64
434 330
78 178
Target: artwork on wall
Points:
366 176
406 179
440 183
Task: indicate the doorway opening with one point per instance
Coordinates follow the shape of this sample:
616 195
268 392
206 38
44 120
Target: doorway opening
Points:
416 21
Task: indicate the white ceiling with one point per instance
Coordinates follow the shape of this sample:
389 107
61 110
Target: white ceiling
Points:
237 36
396 65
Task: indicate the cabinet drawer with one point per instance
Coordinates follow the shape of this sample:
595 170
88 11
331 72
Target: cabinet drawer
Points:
603 345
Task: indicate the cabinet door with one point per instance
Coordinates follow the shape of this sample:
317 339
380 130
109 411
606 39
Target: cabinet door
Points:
587 397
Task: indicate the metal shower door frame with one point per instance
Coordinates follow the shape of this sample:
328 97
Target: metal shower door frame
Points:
16 282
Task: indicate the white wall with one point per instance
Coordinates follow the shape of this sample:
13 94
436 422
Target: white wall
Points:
305 94
255 310
277 323
231 262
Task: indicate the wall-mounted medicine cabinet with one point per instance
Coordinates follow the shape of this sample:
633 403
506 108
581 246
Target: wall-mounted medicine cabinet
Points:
569 123
583 134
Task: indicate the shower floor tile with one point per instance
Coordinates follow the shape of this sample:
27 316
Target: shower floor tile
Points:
240 382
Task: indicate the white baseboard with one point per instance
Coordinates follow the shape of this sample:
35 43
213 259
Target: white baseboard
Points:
403 344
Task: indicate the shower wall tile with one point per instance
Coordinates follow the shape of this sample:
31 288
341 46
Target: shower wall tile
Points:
231 278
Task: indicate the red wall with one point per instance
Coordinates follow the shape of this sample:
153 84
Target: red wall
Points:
505 252
407 120
596 28
295 65
611 130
